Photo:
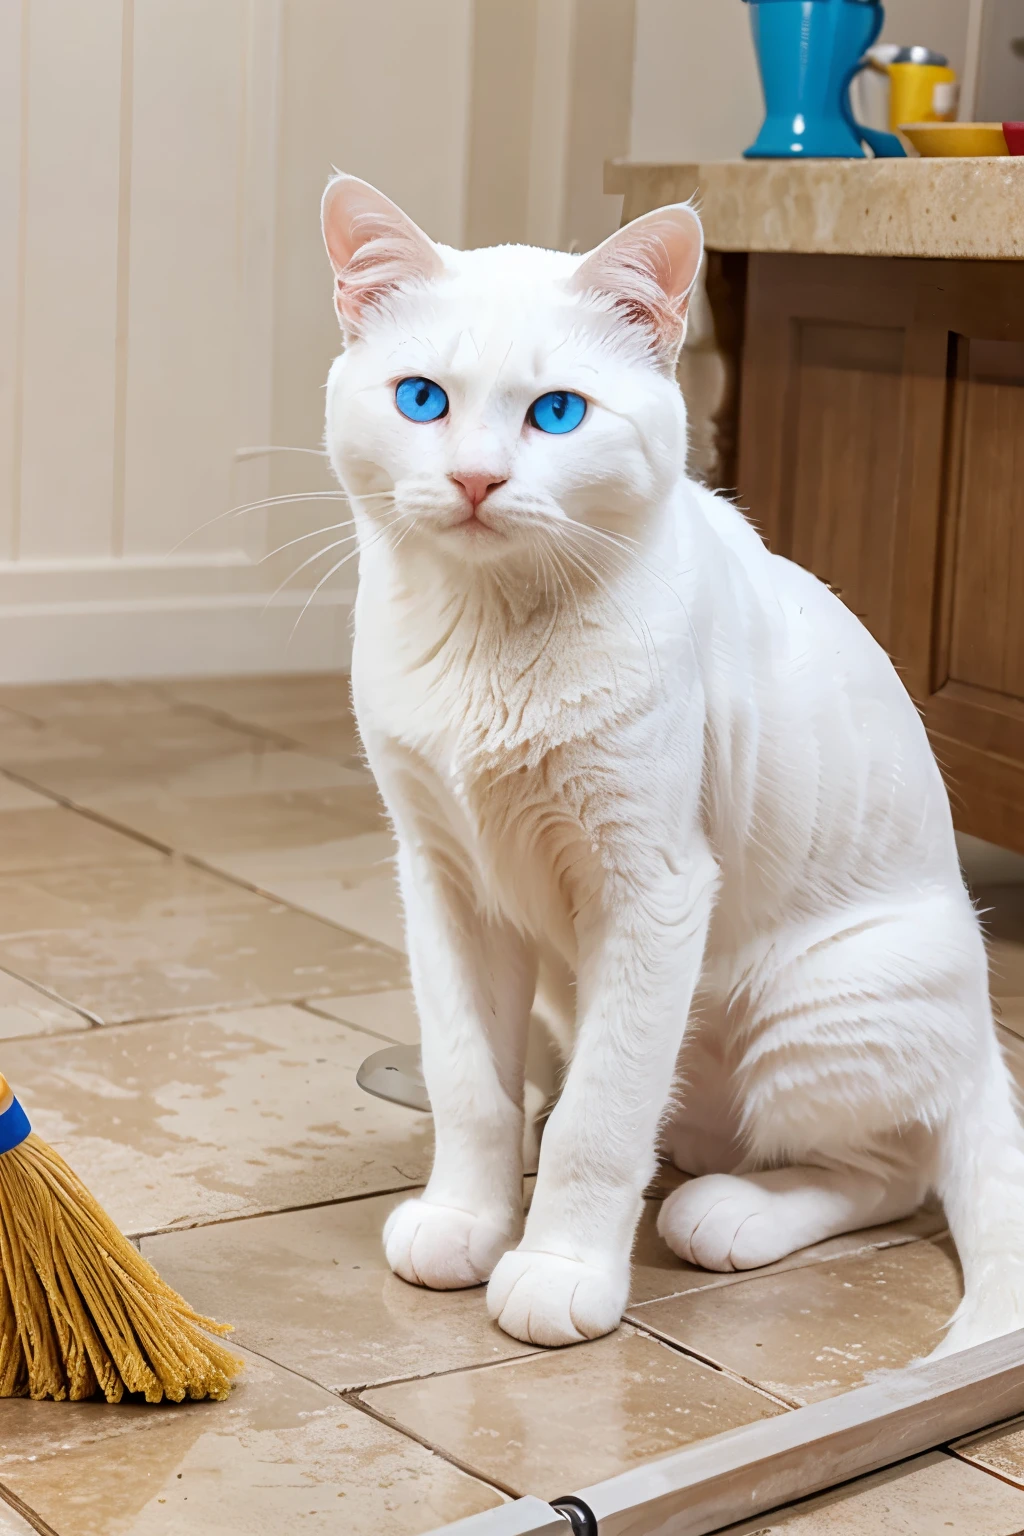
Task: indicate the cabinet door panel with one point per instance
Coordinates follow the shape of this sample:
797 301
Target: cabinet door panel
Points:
882 446
847 394
987 631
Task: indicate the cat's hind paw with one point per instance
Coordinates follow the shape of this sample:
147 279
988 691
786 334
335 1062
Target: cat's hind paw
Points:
543 1298
725 1223
442 1247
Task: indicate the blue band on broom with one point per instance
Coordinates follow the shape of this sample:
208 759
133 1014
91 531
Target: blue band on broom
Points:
81 1311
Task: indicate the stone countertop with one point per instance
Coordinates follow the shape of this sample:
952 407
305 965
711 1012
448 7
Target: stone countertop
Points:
964 208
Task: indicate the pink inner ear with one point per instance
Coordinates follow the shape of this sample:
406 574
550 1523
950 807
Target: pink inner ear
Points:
386 258
374 247
648 269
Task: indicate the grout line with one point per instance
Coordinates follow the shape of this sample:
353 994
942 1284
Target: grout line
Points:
239 723
309 1006
902 1240
236 723
316 917
27 1513
351 1400
21 716
277 1210
457 1370
196 862
716 1365
391 1381
196 1011
193 1011
443 1455
97 816
92 1019
982 1466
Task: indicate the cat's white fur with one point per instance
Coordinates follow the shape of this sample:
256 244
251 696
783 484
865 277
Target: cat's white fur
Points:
629 751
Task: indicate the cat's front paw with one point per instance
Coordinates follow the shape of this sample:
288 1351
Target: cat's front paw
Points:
543 1298
442 1247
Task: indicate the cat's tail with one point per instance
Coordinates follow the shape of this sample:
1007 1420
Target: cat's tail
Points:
980 1179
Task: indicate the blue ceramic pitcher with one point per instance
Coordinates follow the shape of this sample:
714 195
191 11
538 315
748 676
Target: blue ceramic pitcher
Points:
808 52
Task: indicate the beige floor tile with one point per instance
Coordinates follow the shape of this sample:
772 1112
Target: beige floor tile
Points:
813 1331
348 880
142 941
193 1119
258 768
313 710
15 797
12 1524
335 736
281 1455
569 1417
11 720
932 1495
657 1273
36 833
79 754
143 775
257 826
328 854
26 1011
389 1015
299 693
365 901
54 701
1001 1450
312 1290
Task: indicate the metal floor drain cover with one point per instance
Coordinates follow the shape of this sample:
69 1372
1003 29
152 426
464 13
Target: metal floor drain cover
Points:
395 1074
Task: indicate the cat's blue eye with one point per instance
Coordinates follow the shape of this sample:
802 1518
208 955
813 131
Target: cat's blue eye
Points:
421 399
559 411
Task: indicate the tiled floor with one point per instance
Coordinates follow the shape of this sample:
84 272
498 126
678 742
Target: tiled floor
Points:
199 943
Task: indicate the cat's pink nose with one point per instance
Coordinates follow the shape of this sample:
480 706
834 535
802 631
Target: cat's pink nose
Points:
477 486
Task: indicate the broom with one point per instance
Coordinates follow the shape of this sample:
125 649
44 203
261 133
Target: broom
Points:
81 1311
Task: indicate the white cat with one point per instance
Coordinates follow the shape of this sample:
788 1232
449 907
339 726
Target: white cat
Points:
630 753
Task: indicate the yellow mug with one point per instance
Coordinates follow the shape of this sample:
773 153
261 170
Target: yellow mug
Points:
922 87
913 97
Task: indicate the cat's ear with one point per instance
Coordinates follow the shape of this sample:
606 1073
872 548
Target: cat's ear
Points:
374 248
648 269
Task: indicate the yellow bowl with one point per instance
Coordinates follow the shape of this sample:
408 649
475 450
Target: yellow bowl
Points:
956 138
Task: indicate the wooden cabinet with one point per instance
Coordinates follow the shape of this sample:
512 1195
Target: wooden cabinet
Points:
881 444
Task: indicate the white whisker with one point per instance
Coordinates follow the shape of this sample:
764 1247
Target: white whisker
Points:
253 506
276 501
311 561
334 568
331 528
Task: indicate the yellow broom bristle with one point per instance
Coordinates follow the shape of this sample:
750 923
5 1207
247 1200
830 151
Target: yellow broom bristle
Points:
81 1311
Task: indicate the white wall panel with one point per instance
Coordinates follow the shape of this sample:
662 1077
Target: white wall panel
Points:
165 301
696 92
381 91
11 254
11 251
71 159
185 296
